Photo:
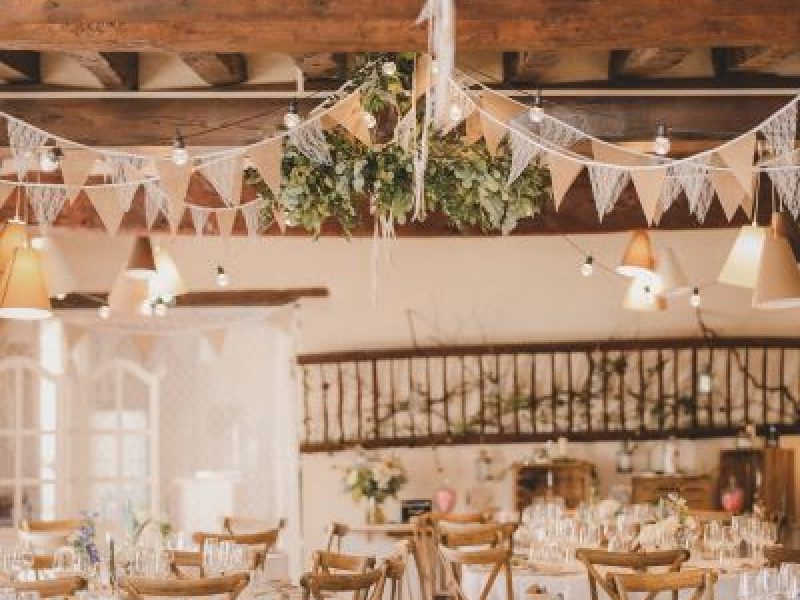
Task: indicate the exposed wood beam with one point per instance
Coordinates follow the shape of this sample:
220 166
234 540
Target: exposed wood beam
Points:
644 62
19 66
528 66
216 68
84 300
756 58
115 70
365 25
322 65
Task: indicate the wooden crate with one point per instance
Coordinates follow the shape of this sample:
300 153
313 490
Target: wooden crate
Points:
698 490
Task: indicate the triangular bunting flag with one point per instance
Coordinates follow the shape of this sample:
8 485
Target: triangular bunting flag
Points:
349 114
250 214
739 157
76 166
125 194
501 110
7 192
104 200
474 128
225 174
563 172
144 343
225 221
648 184
267 158
174 180
199 218
216 339
729 191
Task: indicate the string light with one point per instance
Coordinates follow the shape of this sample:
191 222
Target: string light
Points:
104 312
661 143
456 114
180 155
369 120
146 308
222 277
50 159
649 296
291 119
160 309
434 67
694 299
537 112
587 268
389 68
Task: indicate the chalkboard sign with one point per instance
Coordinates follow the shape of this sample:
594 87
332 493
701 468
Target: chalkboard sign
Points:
412 508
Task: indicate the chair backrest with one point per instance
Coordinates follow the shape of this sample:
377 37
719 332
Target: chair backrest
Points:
394 569
57 525
635 561
231 585
235 525
700 581
46 536
322 585
261 542
50 588
336 562
336 533
778 555
180 560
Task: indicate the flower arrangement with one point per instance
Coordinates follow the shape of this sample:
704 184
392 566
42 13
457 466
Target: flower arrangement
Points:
139 521
83 540
375 479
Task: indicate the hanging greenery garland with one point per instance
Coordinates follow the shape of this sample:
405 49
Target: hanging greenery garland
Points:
462 182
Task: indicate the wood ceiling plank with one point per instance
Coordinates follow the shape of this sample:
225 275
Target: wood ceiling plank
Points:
756 58
529 66
114 70
644 62
19 66
217 68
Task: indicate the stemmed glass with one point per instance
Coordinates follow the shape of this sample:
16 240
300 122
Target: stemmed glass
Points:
747 585
712 538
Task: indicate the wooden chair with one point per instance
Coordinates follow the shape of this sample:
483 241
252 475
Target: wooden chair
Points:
59 525
336 533
234 525
46 536
231 585
488 545
394 570
322 585
182 560
652 584
639 562
338 563
51 588
261 543
778 555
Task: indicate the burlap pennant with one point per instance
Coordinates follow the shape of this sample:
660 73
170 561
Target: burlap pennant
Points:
216 339
174 181
739 157
474 128
144 343
648 184
76 166
563 172
225 220
502 109
729 191
104 200
422 75
266 158
349 114
7 193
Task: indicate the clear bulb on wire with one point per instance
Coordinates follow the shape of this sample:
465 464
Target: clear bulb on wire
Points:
146 309
434 67
389 68
160 309
291 119
456 113
369 120
661 144
180 155
50 159
587 268
694 300
649 295
536 112
222 278
104 312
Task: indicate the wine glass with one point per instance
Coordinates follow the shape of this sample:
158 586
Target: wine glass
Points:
747 585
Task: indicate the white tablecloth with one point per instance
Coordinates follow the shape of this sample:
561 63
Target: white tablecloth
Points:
573 586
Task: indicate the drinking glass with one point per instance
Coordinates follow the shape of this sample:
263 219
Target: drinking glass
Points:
27 595
211 556
747 585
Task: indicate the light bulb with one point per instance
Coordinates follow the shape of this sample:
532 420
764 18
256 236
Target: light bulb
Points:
161 309
536 112
456 114
389 68
369 120
291 119
222 277
146 309
649 296
694 299
587 268
434 67
50 159
661 143
60 296
704 383
180 155
104 311
38 243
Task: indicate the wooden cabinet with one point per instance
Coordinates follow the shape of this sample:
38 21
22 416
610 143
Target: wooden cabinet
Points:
766 473
570 479
698 490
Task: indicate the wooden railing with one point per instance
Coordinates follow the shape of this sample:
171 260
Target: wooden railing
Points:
618 389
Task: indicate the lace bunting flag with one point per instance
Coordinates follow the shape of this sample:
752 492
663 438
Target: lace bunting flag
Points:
250 212
155 202
311 141
780 131
24 141
47 202
692 176
199 219
225 175
607 185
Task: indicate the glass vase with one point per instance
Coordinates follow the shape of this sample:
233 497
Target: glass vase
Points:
375 514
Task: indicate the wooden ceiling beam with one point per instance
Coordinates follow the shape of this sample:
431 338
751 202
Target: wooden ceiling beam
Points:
114 70
216 68
325 66
302 26
19 66
528 66
752 59
644 62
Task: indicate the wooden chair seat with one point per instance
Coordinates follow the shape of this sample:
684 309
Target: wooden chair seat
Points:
319 585
260 542
230 585
700 581
51 588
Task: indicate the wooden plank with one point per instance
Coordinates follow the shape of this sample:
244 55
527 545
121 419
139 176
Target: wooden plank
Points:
783 386
325 418
84 300
322 65
662 407
216 68
446 397
756 58
412 413
19 66
498 396
695 398
528 66
516 392
764 387
306 405
375 405
534 399
710 393
114 70
553 392
428 405
644 62
622 396
728 385
358 401
363 25
340 394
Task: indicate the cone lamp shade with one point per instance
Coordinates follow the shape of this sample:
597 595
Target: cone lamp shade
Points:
741 266
59 277
23 290
670 280
14 235
638 258
637 298
778 280
142 262
167 283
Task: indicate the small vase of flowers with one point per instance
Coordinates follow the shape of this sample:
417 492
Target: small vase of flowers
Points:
374 480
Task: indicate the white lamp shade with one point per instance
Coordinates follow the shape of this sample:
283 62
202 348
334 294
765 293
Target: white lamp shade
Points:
128 294
778 280
14 235
23 291
741 266
167 282
59 277
637 298
638 258
670 280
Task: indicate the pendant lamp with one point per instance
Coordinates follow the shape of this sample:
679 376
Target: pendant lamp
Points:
57 273
638 257
14 235
741 266
142 262
642 296
670 280
778 280
23 290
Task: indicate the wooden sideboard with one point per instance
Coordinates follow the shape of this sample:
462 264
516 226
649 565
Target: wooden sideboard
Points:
571 480
764 472
698 490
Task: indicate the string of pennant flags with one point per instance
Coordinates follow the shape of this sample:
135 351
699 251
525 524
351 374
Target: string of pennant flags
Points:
729 170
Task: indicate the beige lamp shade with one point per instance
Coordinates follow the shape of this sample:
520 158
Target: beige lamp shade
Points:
23 291
638 298
741 266
57 273
168 282
638 258
670 280
128 294
142 262
778 280
14 235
